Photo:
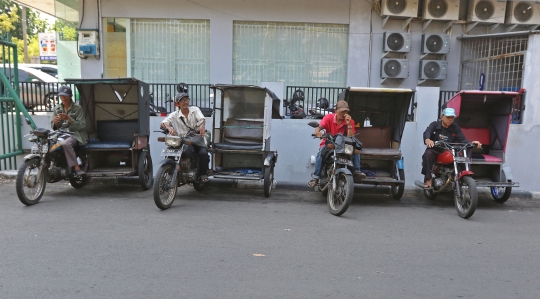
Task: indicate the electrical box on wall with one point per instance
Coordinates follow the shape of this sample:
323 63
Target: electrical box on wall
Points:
88 42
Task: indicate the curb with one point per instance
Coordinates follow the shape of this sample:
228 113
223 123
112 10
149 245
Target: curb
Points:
245 184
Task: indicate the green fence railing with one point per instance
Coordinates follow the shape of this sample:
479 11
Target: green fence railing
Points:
11 107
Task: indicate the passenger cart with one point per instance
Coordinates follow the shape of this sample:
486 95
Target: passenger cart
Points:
485 116
380 115
118 127
240 147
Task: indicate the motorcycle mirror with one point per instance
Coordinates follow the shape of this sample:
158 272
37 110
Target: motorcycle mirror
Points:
313 124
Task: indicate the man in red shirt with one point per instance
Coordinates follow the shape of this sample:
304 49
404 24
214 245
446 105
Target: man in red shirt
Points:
334 123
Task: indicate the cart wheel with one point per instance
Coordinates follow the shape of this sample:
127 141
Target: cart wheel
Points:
145 170
397 190
30 187
268 179
501 194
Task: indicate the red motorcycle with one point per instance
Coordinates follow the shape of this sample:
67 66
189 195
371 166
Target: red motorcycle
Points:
451 172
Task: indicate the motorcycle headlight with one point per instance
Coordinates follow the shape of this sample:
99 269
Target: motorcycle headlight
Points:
349 149
172 141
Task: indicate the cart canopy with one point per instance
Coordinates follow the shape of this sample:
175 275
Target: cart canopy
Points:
382 106
121 99
488 110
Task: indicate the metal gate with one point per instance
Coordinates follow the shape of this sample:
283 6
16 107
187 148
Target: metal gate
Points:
10 106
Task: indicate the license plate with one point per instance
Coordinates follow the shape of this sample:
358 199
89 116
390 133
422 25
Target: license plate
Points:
461 159
169 153
344 161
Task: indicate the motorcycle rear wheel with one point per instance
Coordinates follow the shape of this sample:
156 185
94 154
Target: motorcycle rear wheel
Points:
466 204
430 194
30 187
163 194
340 198
77 182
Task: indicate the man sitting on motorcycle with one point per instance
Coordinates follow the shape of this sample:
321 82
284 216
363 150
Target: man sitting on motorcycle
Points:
181 121
334 123
73 114
446 130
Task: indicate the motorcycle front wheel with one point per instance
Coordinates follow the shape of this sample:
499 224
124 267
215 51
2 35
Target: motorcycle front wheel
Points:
340 198
466 204
30 184
163 193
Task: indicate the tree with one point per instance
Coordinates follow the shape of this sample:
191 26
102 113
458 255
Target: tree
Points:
34 24
7 20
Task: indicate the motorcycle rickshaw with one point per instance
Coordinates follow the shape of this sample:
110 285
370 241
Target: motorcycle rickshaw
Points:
380 115
486 116
118 127
240 146
117 123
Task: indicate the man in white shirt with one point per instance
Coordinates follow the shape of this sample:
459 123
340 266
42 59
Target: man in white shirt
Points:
179 123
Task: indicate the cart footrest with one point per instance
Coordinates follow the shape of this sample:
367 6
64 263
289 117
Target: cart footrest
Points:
497 184
107 145
238 146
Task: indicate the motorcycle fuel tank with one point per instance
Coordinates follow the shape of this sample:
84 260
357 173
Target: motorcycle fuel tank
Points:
445 157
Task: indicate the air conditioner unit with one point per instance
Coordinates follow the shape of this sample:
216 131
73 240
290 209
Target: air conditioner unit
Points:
441 10
523 12
486 11
399 8
397 42
433 69
394 68
435 43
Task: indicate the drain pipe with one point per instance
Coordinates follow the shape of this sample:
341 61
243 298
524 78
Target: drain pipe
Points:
370 46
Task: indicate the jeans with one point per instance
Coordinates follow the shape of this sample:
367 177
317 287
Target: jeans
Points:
319 163
202 152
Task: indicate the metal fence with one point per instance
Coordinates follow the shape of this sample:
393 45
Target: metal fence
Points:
311 95
162 95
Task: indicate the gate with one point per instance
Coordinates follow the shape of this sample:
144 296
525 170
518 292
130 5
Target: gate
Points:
11 106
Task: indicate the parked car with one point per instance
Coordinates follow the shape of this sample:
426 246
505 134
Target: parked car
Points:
49 69
35 87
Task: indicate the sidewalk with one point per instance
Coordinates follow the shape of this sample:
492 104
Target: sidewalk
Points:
11 176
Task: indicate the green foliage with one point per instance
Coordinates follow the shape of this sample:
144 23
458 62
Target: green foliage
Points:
11 20
67 30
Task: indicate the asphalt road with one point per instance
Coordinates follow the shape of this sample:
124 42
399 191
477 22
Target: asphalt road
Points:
110 241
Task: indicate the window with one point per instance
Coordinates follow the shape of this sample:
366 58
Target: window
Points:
299 54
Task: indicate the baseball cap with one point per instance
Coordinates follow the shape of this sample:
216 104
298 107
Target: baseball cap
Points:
342 105
180 96
449 112
64 91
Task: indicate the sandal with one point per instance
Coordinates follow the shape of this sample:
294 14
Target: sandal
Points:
204 178
427 184
313 183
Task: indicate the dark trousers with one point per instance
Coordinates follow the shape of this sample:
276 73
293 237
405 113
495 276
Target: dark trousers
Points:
203 157
428 160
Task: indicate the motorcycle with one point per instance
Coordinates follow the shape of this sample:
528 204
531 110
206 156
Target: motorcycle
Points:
177 168
451 172
336 180
46 163
321 109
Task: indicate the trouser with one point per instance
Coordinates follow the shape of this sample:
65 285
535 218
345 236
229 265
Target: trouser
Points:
319 162
69 151
202 152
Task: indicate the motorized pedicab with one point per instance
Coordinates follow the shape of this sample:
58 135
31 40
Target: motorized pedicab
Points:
240 147
380 115
118 127
486 116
